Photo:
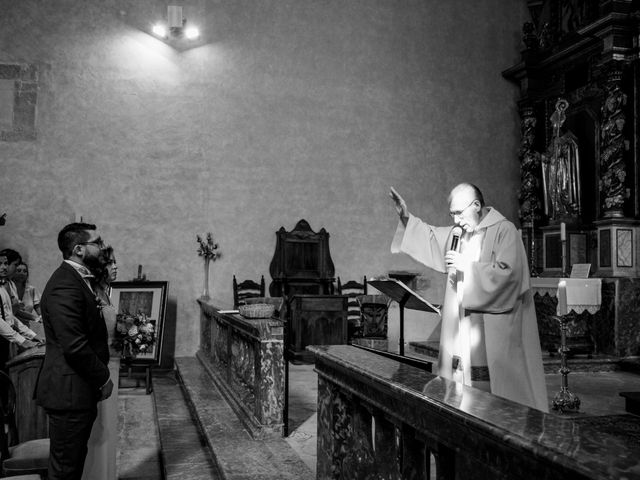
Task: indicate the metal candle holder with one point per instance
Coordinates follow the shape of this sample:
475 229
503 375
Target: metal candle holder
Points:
533 271
564 399
563 241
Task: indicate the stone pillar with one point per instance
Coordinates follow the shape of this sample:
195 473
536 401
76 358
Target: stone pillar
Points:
415 458
387 451
618 241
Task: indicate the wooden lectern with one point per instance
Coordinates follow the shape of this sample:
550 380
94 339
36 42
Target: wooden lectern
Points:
406 298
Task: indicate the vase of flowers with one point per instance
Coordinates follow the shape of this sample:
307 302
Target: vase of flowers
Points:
135 334
207 249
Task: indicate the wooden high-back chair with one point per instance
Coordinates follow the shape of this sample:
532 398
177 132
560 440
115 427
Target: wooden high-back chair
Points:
354 317
246 289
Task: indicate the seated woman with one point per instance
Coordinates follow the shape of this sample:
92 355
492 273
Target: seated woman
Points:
27 294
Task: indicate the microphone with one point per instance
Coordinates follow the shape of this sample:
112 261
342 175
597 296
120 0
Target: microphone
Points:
456 233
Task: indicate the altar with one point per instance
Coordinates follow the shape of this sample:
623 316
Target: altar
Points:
579 158
244 358
612 330
584 299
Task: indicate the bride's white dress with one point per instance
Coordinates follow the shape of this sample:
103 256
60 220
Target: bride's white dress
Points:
103 443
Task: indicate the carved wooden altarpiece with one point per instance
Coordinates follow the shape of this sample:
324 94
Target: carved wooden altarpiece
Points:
584 53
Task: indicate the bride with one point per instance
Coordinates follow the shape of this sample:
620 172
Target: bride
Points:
101 458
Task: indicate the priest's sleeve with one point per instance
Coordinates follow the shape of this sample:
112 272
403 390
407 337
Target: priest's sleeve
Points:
422 242
495 285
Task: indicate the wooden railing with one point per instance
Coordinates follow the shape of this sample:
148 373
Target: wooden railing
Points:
378 418
244 358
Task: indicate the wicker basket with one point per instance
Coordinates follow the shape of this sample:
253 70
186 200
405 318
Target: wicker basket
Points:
257 310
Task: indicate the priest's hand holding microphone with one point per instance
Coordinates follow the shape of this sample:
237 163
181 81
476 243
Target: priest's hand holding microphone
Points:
452 258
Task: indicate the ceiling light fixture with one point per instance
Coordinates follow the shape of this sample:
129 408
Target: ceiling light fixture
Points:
176 26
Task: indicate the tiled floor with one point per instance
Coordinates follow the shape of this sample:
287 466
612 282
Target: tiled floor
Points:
303 393
139 450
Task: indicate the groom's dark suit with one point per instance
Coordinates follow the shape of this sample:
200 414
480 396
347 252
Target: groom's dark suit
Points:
75 364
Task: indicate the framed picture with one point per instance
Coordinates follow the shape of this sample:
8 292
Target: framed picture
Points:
143 298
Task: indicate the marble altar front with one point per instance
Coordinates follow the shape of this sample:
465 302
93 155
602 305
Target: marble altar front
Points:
379 418
244 357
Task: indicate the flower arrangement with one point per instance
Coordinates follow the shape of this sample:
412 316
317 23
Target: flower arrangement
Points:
134 334
208 249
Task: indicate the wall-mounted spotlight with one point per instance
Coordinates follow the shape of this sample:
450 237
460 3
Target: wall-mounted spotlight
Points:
176 26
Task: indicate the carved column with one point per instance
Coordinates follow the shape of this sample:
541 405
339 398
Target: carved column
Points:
618 235
415 456
613 145
388 448
529 196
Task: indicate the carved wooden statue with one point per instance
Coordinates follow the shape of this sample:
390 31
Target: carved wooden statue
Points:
561 170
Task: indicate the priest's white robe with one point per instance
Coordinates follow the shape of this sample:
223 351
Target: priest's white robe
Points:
489 335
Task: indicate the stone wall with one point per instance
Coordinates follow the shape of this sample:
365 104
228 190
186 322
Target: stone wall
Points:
286 109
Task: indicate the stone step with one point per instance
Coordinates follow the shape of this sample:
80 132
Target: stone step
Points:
582 363
428 349
576 363
185 454
630 364
237 455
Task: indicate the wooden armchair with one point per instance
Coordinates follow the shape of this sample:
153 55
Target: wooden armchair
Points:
27 458
353 289
246 289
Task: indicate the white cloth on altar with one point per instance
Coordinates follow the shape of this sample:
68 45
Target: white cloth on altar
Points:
545 285
583 294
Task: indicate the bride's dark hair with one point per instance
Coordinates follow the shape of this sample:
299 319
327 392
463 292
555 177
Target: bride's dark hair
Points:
107 258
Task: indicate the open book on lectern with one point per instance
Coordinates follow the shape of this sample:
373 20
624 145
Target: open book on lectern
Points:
398 291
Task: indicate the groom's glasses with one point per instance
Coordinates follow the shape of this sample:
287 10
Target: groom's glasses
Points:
98 243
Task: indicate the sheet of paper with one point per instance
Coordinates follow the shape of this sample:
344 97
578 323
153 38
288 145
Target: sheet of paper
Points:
580 270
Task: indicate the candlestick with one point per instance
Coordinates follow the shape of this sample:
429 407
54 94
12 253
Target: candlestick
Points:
564 399
532 252
563 232
562 297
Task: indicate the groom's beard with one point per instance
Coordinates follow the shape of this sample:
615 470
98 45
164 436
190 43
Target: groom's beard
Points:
93 262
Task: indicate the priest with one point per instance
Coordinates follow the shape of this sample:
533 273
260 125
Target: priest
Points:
489 334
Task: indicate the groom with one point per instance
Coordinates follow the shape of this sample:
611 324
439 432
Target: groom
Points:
74 376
